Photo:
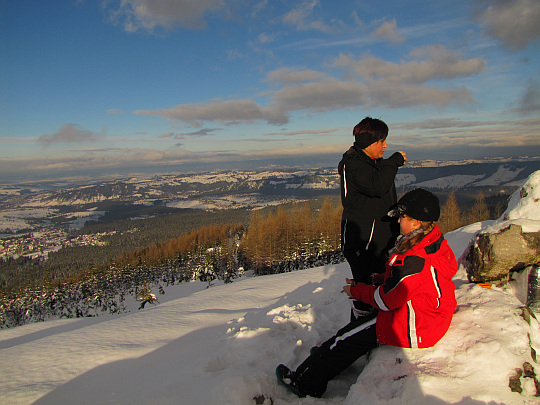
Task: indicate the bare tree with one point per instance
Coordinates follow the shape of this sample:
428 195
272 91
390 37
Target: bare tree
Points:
450 214
480 210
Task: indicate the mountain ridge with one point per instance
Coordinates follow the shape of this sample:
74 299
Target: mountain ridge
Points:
283 182
27 208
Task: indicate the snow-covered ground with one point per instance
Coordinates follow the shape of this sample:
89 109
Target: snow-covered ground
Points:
20 219
503 175
220 345
450 182
35 219
229 201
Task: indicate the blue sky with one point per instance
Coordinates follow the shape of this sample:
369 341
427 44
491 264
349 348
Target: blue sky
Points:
112 88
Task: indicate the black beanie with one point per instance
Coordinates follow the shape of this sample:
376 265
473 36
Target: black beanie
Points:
368 131
419 204
363 140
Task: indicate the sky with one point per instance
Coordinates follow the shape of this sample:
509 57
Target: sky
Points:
221 344
108 87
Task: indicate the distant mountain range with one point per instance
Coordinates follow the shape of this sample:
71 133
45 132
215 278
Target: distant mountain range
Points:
242 187
459 176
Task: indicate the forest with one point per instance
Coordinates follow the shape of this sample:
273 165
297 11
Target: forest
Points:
86 281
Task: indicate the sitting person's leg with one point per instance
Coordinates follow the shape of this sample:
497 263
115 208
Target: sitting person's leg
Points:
335 355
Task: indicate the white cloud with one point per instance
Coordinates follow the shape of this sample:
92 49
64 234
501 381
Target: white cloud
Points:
292 75
166 135
435 62
224 112
234 54
379 83
357 20
327 95
70 133
200 132
317 96
265 38
389 31
402 95
516 22
530 102
259 7
374 82
454 134
146 15
300 17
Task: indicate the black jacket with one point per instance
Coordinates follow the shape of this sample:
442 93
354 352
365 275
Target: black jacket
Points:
367 193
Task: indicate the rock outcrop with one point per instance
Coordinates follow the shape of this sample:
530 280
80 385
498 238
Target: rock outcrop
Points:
494 255
512 243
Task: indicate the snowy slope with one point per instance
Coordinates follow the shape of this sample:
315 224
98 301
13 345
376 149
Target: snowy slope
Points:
220 345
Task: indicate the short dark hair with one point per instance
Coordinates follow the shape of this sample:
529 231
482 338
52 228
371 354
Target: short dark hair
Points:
372 125
369 130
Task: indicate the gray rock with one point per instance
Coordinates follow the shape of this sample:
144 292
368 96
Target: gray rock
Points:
493 256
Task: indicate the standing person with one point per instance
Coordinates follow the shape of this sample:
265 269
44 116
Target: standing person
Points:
367 193
416 300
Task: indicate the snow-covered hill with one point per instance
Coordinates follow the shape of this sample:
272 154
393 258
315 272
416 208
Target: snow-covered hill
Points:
30 208
278 182
220 345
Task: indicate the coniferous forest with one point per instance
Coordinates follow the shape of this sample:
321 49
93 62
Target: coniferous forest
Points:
143 256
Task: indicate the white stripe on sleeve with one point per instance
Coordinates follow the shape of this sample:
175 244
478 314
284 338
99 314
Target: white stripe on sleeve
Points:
379 301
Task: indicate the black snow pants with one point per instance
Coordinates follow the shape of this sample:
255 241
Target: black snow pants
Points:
363 262
335 355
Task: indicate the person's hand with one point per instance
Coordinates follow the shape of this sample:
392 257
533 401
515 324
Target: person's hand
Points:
404 156
347 288
377 278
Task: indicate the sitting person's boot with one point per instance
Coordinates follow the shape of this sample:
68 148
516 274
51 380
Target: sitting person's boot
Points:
310 377
286 377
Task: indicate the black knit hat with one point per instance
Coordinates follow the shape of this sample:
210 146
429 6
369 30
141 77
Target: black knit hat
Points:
365 139
368 131
419 204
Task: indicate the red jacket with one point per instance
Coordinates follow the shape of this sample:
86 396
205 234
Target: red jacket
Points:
416 301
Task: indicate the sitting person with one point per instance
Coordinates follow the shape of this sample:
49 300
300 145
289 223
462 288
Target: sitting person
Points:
415 301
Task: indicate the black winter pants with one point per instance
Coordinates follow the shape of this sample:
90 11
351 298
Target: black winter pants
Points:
335 355
363 263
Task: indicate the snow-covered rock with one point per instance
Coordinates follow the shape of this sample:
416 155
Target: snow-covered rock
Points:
510 243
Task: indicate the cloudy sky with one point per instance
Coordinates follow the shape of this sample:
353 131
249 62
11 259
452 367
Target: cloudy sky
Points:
155 86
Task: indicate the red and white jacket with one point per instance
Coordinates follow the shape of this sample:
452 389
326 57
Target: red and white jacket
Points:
417 300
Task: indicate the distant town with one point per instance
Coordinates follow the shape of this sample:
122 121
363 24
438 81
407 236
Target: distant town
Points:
39 244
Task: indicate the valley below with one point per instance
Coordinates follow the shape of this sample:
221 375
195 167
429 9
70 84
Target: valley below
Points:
36 219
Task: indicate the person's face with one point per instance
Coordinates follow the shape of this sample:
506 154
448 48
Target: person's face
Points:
376 149
408 224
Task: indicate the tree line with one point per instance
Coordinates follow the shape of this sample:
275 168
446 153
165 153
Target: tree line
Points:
452 217
151 227
280 235
274 237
